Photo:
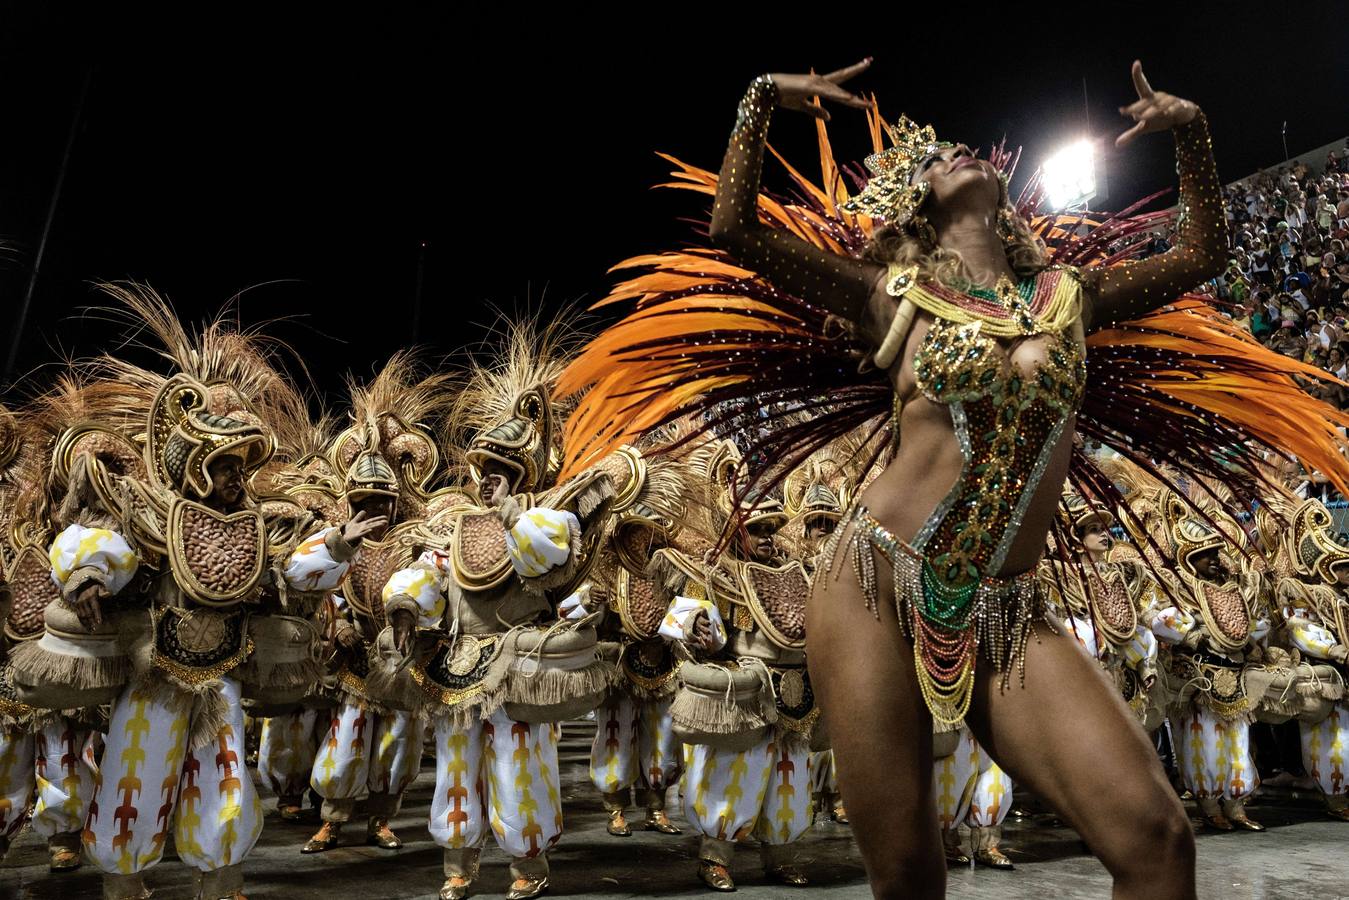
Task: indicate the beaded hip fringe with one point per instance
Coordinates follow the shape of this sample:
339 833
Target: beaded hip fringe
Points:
998 620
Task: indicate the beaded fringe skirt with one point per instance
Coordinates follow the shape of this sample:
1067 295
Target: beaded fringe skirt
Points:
994 617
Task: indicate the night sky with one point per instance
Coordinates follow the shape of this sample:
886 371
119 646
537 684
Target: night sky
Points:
306 160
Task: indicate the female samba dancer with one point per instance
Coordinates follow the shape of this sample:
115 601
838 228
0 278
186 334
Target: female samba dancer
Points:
956 534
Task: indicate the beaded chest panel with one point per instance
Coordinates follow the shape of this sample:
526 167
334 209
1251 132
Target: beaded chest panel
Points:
370 570
1007 423
30 583
478 551
638 606
776 598
1112 608
217 558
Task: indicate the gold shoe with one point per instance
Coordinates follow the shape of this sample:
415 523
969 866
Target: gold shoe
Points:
1245 823
840 815
657 820
787 875
715 875
618 825
1342 813
290 812
62 859
955 856
324 839
1218 822
381 835
524 888
993 858
455 888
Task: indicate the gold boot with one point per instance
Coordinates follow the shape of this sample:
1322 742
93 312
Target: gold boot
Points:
527 886
615 807
787 875
715 875
839 814
226 883
63 852
461 867
125 887
778 865
1236 814
657 820
455 888
378 833
953 846
986 852
1212 815
324 839
1337 807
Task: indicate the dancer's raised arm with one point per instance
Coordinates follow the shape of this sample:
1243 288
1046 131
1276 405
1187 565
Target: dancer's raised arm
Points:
795 266
1126 291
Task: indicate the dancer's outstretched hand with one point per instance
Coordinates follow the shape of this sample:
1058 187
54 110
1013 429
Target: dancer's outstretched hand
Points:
1154 110
799 91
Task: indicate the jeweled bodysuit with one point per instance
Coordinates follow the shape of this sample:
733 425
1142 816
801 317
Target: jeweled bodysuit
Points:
1008 422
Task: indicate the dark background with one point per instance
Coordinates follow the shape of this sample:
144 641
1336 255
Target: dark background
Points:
311 159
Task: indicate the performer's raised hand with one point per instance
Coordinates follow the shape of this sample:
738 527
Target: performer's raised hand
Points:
1153 110
799 92
358 526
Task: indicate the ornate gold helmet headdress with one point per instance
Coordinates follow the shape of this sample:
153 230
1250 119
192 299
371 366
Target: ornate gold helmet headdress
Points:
820 502
1318 552
1080 511
523 443
891 194
184 438
369 475
759 510
1189 534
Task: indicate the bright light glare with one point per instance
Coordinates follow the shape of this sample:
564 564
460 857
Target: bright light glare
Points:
1069 176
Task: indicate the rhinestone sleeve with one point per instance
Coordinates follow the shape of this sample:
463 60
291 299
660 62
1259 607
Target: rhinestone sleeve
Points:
1123 292
838 283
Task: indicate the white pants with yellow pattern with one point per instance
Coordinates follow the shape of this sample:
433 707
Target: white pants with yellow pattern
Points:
972 791
1324 746
286 753
366 753
762 792
1214 758
51 768
149 781
635 746
500 776
823 775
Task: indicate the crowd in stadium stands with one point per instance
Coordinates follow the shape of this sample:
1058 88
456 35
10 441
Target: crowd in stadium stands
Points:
1287 278
1288 275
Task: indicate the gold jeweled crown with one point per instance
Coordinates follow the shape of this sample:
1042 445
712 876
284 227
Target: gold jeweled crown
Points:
889 194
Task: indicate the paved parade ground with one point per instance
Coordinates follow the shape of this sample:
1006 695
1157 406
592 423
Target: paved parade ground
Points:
1303 855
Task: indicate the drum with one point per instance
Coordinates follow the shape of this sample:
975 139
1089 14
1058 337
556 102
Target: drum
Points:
719 705
1307 692
554 673
69 667
284 666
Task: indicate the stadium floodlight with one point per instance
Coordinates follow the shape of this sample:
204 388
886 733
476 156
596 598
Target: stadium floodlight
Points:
1069 176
